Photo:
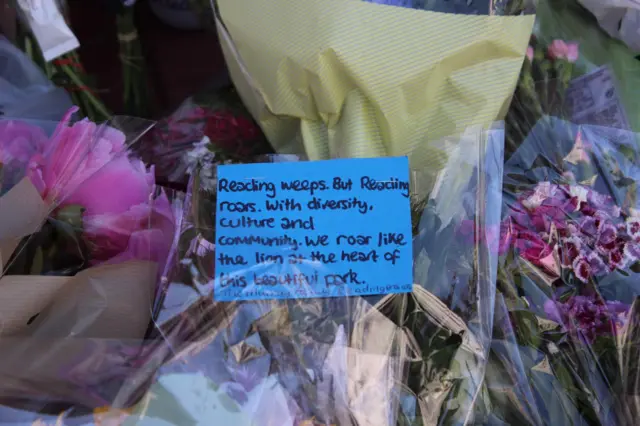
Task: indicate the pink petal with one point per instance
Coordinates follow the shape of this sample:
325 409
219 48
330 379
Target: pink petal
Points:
572 52
530 53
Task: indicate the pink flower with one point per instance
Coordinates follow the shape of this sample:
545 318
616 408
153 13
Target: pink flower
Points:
143 232
633 227
88 165
573 52
559 49
18 143
589 265
73 154
537 251
589 315
530 53
569 250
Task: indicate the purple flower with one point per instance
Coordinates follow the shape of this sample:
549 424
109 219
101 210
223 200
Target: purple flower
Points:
589 315
589 265
584 230
631 251
569 249
633 227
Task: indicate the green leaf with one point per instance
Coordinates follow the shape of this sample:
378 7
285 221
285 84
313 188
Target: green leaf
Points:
71 214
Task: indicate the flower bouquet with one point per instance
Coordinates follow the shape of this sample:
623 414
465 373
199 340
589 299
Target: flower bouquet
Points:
394 359
84 240
565 339
324 81
212 126
542 87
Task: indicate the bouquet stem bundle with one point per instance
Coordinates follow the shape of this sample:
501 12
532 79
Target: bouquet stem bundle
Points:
135 91
68 72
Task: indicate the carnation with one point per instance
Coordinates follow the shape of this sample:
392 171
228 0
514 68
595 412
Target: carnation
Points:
589 315
588 233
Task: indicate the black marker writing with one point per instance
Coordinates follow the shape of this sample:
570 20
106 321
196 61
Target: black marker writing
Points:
250 185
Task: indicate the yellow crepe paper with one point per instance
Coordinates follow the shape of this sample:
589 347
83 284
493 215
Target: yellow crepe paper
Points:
347 78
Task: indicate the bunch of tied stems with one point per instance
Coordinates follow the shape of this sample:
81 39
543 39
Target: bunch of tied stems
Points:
66 71
135 87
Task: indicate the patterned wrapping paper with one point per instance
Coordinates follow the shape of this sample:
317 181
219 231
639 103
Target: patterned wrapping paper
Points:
301 69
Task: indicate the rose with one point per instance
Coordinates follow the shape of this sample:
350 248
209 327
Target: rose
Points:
87 165
230 132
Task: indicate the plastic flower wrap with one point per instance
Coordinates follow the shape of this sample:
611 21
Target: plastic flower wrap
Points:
606 75
568 284
85 237
465 7
175 144
544 79
395 359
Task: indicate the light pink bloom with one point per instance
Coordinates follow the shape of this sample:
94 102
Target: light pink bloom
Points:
19 142
572 52
559 49
530 53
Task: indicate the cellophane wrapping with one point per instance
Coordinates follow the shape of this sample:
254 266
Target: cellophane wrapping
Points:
215 113
82 262
564 340
396 359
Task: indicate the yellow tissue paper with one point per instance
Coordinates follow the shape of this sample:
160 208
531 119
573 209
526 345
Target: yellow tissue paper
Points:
348 78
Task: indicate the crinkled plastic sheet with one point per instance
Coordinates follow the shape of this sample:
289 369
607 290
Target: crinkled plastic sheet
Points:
25 92
72 345
399 359
218 114
565 347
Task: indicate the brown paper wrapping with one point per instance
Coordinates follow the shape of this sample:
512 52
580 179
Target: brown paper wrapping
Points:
48 321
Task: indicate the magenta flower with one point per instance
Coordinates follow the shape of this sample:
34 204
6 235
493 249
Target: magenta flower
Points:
89 166
589 315
19 142
569 249
589 265
571 226
633 227
533 248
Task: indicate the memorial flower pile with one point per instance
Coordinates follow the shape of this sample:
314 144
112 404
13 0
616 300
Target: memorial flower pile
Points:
361 230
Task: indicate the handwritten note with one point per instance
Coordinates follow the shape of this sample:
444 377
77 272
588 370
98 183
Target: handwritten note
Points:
313 229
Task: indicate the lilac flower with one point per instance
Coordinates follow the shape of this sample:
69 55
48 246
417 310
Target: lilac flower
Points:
633 227
569 249
584 229
588 265
589 315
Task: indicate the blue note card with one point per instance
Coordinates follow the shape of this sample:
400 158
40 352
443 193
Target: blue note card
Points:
313 229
